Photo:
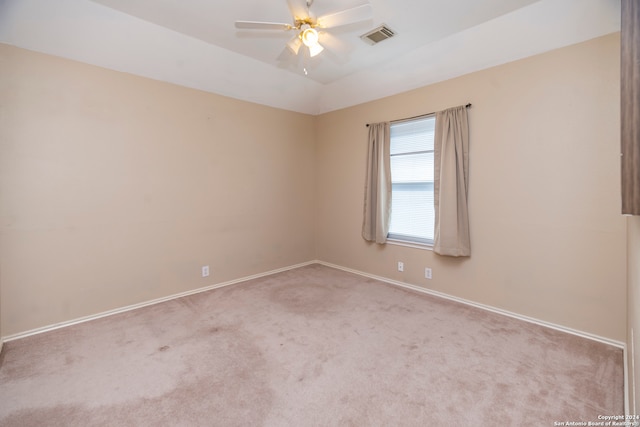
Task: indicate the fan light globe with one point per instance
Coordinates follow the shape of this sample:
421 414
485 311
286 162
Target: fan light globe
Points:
315 49
309 37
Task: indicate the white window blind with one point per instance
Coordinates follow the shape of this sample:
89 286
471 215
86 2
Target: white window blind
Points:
412 210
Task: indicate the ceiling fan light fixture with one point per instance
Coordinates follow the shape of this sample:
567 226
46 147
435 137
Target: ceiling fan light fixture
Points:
294 44
315 49
309 37
305 24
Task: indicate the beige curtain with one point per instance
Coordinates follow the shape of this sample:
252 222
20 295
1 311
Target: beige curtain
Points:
377 189
451 183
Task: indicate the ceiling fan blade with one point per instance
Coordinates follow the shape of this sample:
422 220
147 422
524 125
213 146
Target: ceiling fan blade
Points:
288 60
285 57
294 44
347 16
253 25
338 49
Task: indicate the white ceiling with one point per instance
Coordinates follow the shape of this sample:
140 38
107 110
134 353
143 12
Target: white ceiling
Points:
417 23
195 44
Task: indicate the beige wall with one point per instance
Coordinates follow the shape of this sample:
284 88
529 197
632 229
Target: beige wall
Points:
633 301
116 189
548 240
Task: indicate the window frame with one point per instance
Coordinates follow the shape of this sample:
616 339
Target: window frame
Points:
404 239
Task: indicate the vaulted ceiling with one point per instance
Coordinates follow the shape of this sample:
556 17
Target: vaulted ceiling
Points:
194 42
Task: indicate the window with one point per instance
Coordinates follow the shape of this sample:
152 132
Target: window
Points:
412 211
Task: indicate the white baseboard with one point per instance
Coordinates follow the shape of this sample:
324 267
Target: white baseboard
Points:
625 369
145 304
560 328
587 335
631 390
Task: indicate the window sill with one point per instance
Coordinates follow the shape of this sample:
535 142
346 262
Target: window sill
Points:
423 246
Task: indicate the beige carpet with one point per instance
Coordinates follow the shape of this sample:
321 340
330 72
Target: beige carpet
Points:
308 347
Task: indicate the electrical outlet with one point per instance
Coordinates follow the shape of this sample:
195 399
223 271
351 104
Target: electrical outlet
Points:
205 271
427 273
400 266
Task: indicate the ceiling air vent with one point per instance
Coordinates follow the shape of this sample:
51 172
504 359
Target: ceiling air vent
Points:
376 36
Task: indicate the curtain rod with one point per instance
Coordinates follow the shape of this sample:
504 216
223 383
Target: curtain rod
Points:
417 117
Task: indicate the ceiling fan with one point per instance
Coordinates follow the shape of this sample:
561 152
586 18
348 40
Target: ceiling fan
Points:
305 24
